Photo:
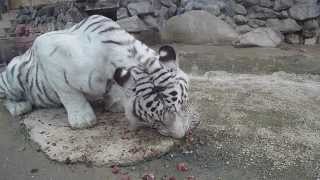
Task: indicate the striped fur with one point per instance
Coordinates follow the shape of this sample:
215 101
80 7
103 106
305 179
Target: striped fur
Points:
24 80
64 67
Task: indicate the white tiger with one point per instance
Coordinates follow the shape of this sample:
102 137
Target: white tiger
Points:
65 67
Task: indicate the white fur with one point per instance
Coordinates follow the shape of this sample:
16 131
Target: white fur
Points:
163 53
76 55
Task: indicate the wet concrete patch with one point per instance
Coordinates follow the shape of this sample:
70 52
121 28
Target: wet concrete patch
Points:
108 143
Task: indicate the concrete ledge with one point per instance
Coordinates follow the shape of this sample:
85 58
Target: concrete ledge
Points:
200 59
108 143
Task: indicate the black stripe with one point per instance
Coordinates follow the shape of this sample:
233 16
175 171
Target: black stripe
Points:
110 29
181 79
12 71
2 88
55 93
139 58
31 92
65 77
94 23
142 83
134 110
141 90
182 89
113 42
47 95
153 61
166 79
132 52
37 81
22 65
53 51
156 70
81 23
41 100
142 78
90 79
46 79
20 82
89 38
96 28
4 82
160 75
27 75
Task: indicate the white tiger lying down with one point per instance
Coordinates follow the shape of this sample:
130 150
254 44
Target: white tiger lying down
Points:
63 67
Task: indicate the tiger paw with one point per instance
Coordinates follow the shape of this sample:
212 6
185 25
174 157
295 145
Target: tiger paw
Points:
18 108
115 108
82 120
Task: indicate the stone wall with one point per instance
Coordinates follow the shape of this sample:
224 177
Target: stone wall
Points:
297 20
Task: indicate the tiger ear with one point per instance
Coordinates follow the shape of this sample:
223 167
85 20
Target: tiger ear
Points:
167 54
121 76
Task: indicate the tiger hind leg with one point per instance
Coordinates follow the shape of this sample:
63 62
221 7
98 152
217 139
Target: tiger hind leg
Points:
18 108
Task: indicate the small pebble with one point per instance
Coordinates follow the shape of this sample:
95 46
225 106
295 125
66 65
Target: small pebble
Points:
148 177
34 170
182 167
191 178
22 149
115 169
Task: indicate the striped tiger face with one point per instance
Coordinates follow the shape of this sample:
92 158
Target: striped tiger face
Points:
157 95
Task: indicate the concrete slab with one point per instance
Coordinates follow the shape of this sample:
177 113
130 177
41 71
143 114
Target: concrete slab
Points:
291 59
269 118
108 143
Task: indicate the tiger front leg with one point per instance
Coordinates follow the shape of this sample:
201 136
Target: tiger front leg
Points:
18 108
80 112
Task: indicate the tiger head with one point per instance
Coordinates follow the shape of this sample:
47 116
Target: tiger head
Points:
157 95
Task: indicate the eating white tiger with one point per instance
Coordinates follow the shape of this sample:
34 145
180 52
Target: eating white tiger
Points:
65 67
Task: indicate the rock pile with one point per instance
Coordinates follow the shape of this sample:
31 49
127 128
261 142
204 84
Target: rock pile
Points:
144 18
50 17
297 20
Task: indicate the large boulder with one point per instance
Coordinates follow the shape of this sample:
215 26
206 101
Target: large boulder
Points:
304 11
240 20
238 9
198 27
258 12
133 24
137 8
285 25
262 37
